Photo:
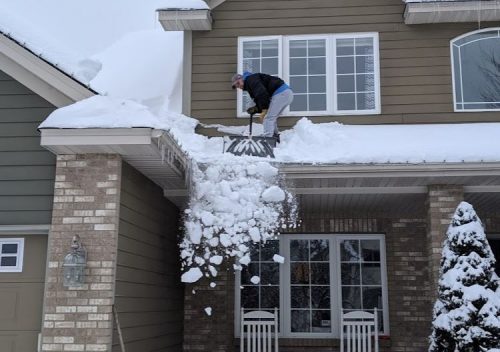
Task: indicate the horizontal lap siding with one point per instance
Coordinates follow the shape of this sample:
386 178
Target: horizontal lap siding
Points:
26 169
149 295
416 83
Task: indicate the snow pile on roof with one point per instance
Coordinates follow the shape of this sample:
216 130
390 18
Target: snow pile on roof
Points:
185 5
44 45
234 205
144 66
467 312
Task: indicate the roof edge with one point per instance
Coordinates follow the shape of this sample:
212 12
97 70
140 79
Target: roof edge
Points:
39 75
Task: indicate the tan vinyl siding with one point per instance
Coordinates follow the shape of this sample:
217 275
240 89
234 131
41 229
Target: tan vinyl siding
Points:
416 82
149 294
26 169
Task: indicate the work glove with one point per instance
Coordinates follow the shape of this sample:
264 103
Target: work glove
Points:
253 110
263 115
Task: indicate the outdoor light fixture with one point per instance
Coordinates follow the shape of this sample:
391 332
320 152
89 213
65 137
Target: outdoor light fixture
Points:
74 265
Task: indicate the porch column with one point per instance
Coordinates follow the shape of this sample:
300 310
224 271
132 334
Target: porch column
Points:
442 200
86 203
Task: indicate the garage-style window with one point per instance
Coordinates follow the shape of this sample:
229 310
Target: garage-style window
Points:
330 74
476 70
322 275
11 255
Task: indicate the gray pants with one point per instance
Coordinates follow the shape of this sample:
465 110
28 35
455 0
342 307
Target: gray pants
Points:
279 102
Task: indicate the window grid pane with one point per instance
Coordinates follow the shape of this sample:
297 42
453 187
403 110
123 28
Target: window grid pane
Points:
10 255
355 74
259 56
310 289
266 294
476 71
361 276
308 74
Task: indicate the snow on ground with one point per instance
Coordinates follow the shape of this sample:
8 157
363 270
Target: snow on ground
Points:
186 5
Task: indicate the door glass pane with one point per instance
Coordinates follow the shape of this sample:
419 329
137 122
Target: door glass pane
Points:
299 84
270 66
317 102
317 84
317 47
345 65
298 66
251 49
347 101
310 289
345 83
298 48
365 101
270 48
345 47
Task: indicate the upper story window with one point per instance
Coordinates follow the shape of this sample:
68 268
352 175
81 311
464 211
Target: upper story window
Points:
330 74
476 70
11 255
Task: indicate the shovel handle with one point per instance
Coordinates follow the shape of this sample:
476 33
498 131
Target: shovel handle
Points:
251 123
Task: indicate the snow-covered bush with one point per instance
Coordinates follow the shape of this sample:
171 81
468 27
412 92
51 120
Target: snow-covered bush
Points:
467 311
234 205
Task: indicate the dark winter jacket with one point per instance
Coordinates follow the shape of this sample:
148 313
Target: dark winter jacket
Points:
261 88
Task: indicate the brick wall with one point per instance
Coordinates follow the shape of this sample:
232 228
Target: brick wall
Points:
86 203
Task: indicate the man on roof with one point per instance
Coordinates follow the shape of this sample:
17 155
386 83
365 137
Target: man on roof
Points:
271 96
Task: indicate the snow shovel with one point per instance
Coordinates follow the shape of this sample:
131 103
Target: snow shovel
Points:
250 145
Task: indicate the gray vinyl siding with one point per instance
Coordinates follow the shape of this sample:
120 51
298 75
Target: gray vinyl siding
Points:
416 81
26 169
149 293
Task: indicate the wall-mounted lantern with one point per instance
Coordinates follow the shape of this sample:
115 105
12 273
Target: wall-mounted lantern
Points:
74 265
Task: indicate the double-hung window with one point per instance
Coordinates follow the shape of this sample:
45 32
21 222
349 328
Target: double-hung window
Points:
11 255
322 274
330 74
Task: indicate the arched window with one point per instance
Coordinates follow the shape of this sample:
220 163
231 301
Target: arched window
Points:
476 70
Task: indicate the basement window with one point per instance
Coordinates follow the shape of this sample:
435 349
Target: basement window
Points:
330 74
11 255
476 71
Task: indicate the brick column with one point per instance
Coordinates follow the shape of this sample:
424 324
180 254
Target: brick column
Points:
442 200
86 202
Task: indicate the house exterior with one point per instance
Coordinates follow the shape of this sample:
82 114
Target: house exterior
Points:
370 234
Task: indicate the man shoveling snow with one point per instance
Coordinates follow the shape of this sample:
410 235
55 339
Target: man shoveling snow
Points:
271 96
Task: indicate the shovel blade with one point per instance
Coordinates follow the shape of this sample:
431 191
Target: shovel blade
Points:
252 146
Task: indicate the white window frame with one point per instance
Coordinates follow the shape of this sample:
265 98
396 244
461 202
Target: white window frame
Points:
241 40
331 74
20 255
452 56
335 281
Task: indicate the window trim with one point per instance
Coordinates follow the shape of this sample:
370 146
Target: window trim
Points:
452 59
331 74
20 255
336 304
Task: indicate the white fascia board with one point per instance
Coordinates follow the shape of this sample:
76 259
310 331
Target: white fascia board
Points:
299 171
17 230
452 11
185 20
42 78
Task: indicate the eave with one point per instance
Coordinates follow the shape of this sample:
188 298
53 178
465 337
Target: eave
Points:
452 11
185 19
39 75
153 152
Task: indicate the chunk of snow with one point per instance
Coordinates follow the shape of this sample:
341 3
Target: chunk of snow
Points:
208 311
254 233
192 275
245 260
213 284
185 5
217 259
278 259
255 280
273 194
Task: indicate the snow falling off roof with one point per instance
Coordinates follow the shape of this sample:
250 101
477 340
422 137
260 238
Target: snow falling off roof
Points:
185 5
306 142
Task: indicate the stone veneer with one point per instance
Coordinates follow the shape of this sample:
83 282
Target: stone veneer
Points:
86 202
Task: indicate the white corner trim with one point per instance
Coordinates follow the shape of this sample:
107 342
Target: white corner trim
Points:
39 76
214 3
16 230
